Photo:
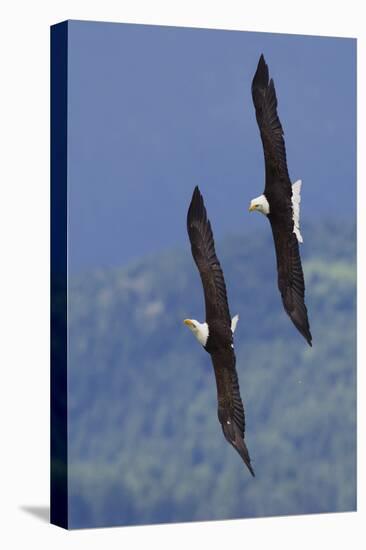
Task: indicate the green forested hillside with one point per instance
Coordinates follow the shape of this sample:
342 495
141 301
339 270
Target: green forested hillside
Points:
145 444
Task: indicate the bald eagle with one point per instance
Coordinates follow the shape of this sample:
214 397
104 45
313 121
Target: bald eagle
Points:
280 201
216 333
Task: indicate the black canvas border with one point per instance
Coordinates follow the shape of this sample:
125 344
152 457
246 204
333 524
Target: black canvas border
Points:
59 448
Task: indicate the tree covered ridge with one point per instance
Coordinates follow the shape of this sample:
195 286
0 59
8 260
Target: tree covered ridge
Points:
145 445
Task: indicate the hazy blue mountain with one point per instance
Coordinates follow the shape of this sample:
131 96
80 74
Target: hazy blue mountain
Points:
145 444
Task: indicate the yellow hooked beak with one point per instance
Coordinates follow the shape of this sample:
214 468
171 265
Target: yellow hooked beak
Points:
188 322
251 208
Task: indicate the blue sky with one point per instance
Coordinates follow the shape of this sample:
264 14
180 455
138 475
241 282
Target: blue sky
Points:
154 111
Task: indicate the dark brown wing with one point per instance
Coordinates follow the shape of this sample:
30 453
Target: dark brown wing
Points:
203 251
278 191
290 276
230 406
265 103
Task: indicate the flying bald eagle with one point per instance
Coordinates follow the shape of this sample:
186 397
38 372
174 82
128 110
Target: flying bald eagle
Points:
216 334
280 201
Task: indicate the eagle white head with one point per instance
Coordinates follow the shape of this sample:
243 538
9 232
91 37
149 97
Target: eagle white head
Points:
200 330
260 204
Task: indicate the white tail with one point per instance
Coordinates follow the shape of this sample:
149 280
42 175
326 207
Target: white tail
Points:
296 199
234 322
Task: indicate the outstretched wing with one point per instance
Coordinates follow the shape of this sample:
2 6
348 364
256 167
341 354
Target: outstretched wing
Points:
203 251
265 103
278 191
230 406
290 276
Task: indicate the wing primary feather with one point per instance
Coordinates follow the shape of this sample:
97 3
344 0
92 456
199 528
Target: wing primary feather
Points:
270 127
204 254
233 436
230 405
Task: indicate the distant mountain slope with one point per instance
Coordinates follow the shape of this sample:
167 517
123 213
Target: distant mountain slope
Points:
145 444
